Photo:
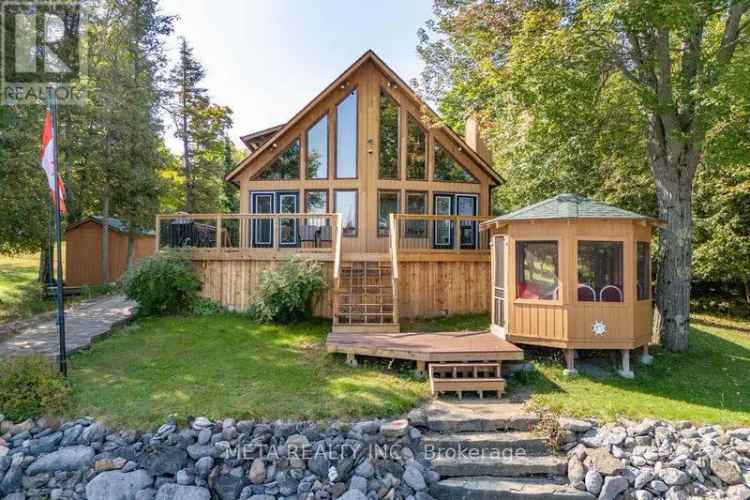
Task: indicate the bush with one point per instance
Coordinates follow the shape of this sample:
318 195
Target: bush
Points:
31 386
206 307
285 293
162 284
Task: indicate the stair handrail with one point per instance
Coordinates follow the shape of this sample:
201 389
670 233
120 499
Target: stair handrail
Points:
337 249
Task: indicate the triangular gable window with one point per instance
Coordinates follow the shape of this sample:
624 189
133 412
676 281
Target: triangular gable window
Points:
447 169
285 166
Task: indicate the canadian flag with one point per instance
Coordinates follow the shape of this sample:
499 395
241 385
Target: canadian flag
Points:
48 161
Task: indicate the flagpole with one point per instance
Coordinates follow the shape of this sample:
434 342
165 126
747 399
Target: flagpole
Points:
58 231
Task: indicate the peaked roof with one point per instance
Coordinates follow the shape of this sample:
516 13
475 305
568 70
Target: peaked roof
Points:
255 140
569 206
370 55
114 224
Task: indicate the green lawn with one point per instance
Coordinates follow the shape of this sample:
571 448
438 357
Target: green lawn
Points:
709 383
19 290
226 366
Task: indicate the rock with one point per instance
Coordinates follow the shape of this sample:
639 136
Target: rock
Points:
674 477
728 472
643 478
64 459
20 427
204 436
613 486
658 486
365 469
178 492
738 492
675 493
394 429
147 494
160 459
228 486
413 477
107 464
593 482
643 495
3 451
694 471
257 472
599 459
574 425
741 433
115 485
576 471
198 451
358 483
184 478
203 466
298 442
353 495
71 435
93 433
319 465
417 417
200 423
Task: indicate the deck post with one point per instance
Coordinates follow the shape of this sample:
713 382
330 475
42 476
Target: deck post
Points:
625 372
421 370
570 356
351 360
646 358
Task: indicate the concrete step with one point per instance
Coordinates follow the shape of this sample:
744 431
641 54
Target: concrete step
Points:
487 442
450 423
494 488
495 465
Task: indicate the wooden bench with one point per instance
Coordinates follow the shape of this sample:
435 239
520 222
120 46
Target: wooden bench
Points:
466 377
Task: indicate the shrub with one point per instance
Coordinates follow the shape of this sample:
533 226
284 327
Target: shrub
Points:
285 293
31 386
162 284
206 307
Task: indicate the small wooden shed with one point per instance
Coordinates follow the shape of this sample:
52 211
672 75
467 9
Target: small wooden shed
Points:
83 250
573 273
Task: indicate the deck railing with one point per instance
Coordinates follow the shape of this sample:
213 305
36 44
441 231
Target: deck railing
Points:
236 233
436 233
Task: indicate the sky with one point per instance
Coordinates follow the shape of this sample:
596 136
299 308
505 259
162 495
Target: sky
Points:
266 59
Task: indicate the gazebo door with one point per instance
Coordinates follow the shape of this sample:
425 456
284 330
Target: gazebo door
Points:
498 282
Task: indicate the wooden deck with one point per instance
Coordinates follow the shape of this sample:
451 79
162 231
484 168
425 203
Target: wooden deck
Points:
439 347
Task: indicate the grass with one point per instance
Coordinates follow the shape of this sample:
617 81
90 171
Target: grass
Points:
226 366
20 293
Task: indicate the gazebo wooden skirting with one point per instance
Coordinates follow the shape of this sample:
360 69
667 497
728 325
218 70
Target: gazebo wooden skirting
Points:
573 273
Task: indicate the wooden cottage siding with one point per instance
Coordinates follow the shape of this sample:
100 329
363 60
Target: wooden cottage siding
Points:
368 79
426 288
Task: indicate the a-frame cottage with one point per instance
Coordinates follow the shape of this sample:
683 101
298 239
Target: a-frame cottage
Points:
396 207
366 180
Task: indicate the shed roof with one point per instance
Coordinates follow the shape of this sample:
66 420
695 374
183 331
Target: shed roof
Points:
569 206
113 223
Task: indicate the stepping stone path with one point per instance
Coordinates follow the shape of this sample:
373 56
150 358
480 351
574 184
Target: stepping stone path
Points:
490 451
83 324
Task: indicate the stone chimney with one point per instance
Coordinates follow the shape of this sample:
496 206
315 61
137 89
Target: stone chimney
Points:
474 139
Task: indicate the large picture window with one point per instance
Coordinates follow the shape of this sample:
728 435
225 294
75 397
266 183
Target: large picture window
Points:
416 203
416 151
285 166
388 165
644 271
345 203
388 203
317 150
600 269
447 169
537 270
346 137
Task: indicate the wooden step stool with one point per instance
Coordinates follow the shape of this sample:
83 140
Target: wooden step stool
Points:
466 377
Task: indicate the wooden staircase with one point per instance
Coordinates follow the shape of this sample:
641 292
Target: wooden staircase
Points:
364 298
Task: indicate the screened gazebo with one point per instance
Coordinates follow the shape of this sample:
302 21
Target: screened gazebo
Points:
573 273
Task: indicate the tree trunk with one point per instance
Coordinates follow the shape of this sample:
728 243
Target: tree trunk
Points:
674 267
105 235
747 292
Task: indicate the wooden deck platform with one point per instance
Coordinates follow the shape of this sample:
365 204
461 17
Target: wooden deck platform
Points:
441 347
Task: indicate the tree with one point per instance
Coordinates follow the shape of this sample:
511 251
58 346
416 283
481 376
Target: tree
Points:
673 61
201 126
230 200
